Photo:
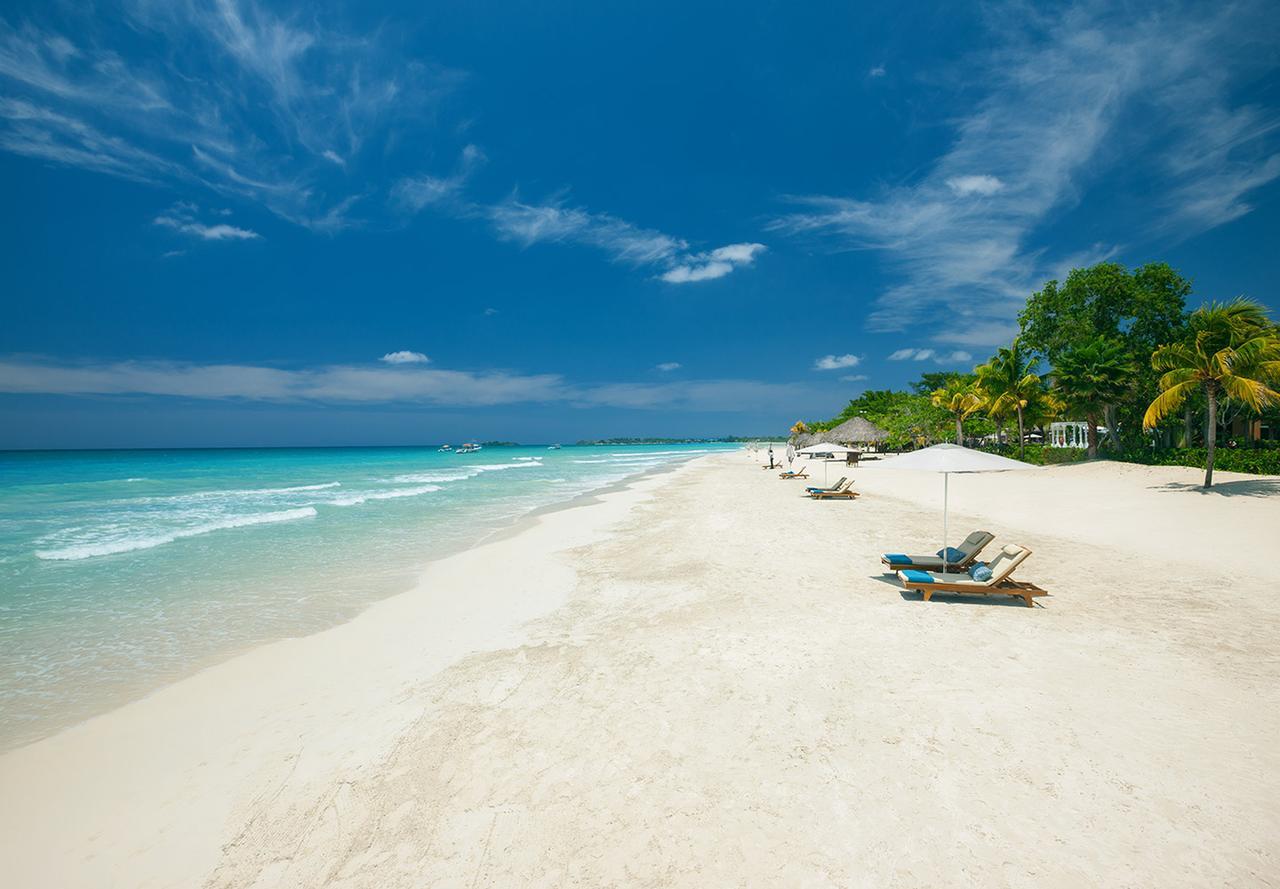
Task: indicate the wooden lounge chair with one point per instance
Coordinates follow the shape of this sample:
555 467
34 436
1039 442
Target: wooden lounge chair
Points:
792 473
844 478
841 492
972 545
1000 584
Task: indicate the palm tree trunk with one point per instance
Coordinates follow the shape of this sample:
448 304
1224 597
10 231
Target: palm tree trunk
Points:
1022 450
1092 452
1188 428
1210 435
1113 437
959 430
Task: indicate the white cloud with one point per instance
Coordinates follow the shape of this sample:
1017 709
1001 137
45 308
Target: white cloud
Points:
1068 96
413 193
404 357
490 311
853 378
182 218
174 113
836 362
980 185
715 264
911 354
669 366
877 71
391 384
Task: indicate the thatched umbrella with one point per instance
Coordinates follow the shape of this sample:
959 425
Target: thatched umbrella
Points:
855 431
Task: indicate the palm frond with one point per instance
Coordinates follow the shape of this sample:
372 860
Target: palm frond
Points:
1166 403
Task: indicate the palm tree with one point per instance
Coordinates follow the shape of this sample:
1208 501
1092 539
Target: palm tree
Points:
1233 352
960 398
1009 381
1090 377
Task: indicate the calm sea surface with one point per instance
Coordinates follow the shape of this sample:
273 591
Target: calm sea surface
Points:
123 570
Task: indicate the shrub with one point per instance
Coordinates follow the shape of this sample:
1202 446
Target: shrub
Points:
1257 461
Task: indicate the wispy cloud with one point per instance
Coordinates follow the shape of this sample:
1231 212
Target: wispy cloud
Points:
668 366
962 239
228 96
853 378
414 193
406 382
182 217
404 357
877 71
836 362
958 356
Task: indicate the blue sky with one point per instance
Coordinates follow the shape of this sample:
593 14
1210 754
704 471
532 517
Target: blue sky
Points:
238 223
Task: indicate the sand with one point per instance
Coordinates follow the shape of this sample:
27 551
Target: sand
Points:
704 680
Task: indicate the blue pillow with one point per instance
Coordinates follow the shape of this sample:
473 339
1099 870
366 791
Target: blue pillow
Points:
897 559
918 576
952 555
980 572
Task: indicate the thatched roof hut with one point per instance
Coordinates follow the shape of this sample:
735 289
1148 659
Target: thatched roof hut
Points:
855 431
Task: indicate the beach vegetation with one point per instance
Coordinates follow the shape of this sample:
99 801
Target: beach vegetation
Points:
1231 352
1121 353
1091 377
1010 383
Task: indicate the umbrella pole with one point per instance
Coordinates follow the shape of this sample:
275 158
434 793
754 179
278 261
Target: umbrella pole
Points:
946 484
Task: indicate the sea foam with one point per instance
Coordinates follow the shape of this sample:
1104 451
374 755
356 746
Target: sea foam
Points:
130 544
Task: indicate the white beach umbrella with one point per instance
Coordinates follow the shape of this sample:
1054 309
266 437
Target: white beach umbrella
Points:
949 458
832 449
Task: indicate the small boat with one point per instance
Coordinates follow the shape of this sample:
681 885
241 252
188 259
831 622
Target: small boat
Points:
469 448
444 448
554 448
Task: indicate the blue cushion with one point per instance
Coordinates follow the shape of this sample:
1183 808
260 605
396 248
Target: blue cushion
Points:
897 558
951 555
918 576
980 572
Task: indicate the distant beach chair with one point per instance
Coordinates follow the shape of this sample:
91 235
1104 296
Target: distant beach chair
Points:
835 487
840 492
1000 584
793 473
969 549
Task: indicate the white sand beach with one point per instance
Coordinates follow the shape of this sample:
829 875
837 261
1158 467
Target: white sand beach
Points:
705 680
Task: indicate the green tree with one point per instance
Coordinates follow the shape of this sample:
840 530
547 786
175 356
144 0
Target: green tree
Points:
1233 352
1141 309
1092 376
960 397
1009 381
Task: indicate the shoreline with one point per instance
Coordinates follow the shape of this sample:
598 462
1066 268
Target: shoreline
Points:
706 679
141 687
204 697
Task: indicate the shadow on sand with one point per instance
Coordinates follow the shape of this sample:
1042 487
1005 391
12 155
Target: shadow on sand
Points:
1264 486
950 598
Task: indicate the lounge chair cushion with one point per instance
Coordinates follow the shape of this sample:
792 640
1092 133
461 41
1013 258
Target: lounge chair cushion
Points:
897 559
980 571
951 554
918 576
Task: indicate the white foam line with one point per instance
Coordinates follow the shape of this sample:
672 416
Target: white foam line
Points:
357 499
130 544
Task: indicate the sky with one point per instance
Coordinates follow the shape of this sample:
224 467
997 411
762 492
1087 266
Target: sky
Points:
238 223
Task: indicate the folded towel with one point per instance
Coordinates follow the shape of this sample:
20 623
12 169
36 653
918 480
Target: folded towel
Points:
951 555
918 576
980 572
897 559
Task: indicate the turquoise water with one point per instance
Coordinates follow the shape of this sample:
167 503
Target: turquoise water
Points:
123 570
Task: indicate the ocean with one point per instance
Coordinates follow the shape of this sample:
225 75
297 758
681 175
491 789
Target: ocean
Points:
121 571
